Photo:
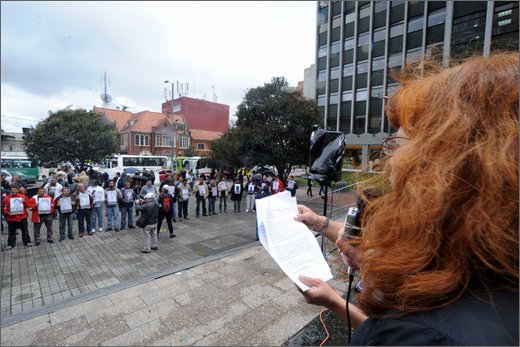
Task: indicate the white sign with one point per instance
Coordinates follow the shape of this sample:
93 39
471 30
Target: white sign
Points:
290 185
214 191
16 206
185 194
84 200
111 197
129 195
251 188
99 195
276 186
237 188
65 204
171 190
44 205
202 190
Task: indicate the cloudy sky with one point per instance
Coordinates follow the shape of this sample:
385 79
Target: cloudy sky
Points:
54 54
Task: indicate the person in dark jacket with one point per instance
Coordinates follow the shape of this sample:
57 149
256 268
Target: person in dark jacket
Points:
165 210
236 194
438 252
149 212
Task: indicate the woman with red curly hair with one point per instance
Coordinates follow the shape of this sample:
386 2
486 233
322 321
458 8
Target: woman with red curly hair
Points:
438 253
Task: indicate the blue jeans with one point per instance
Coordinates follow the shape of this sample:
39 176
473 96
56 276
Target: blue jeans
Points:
97 212
124 212
112 214
222 198
211 204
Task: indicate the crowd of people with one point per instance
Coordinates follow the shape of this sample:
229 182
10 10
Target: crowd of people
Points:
128 201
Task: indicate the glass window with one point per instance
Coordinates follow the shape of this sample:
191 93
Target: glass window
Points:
396 13
320 88
359 117
364 12
333 113
322 38
435 34
379 6
349 29
323 15
158 140
201 146
335 34
435 5
321 100
397 30
336 23
364 25
415 24
167 141
348 56
379 19
324 28
347 83
504 22
413 55
415 8
334 60
336 8
376 92
377 77
322 63
333 85
350 6
137 141
395 45
378 49
361 80
344 124
414 40
362 52
379 35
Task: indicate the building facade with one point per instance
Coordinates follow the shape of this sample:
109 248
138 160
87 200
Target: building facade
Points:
359 43
149 133
201 114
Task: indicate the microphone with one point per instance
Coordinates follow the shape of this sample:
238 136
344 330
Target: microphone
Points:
351 230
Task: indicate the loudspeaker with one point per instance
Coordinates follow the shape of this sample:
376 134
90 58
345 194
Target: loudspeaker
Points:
326 155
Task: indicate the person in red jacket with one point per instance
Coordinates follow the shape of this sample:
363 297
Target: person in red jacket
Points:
276 186
14 209
42 207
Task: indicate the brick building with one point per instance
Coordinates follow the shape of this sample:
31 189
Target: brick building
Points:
201 139
148 133
201 114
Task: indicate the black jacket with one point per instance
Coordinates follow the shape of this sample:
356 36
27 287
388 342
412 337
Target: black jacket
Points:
476 319
149 211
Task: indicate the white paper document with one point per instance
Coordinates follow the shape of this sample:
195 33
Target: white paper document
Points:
291 244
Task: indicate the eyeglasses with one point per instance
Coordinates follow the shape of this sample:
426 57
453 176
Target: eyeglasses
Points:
391 144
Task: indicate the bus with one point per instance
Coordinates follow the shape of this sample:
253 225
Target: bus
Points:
19 162
199 165
119 162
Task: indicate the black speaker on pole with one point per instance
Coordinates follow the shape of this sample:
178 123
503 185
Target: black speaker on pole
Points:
326 160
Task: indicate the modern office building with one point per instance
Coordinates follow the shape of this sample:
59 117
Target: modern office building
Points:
359 43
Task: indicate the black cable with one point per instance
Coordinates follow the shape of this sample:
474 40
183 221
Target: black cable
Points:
350 280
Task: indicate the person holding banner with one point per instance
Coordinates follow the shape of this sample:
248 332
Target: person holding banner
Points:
276 186
112 197
14 209
183 197
212 198
42 207
250 196
236 194
63 204
223 191
82 202
201 193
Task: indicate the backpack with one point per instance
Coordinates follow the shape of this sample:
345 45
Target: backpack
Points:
166 204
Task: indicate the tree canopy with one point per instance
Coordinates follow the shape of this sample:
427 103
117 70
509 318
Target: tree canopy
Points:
77 136
273 128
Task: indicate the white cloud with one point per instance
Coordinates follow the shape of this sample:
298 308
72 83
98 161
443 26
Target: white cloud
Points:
54 53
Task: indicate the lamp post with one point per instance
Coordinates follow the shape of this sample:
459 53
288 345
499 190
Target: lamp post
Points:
175 135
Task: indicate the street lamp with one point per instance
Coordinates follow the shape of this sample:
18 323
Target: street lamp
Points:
174 131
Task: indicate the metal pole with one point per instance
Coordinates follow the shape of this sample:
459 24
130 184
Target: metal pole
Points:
174 142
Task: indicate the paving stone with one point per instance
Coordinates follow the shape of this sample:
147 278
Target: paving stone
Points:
150 313
52 336
136 336
79 310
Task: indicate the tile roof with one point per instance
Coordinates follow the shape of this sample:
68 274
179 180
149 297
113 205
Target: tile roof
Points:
205 135
121 118
145 120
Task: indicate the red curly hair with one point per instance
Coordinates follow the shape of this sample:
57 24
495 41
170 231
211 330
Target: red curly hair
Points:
450 222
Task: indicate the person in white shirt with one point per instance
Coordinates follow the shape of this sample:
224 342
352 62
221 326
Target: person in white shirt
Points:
223 191
97 211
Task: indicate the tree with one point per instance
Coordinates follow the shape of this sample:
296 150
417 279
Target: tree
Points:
78 136
273 128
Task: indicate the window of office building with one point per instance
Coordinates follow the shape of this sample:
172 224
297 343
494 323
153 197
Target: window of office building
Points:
348 70
332 117
505 26
346 108
435 5
322 63
362 66
361 80
362 52
349 29
321 110
467 36
333 99
379 18
415 8
347 96
322 38
336 8
347 83
396 13
344 121
359 117
413 54
322 51
361 94
335 47
414 40
336 22
320 88
321 100
322 76
378 49
397 30
376 77
375 110
435 31
350 6
348 56
334 73
395 45
333 85
363 25
395 60
348 44
379 35
335 34
334 60
323 15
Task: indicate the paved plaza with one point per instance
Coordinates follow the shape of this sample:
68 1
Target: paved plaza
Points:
211 285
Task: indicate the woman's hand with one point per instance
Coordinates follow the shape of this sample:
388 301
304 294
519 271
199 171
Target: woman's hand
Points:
349 254
319 292
308 217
